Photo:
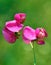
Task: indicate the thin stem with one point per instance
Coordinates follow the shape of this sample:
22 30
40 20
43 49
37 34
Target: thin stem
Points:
34 54
33 47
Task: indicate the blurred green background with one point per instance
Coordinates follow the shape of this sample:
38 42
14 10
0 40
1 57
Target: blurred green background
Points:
38 15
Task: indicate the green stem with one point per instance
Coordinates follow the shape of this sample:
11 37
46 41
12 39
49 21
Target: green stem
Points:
34 54
33 47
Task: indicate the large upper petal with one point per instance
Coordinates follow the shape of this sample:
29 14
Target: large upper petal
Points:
29 33
14 26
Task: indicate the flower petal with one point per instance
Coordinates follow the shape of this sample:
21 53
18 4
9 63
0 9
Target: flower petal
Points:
20 17
29 33
13 26
46 35
26 40
9 36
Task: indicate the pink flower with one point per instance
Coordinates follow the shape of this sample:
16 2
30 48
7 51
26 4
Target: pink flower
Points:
28 35
11 30
13 26
41 34
20 17
8 35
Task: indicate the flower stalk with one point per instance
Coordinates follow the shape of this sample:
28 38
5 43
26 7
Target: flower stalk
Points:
34 54
34 57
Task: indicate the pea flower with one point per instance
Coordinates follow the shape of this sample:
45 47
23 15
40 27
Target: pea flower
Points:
41 34
11 30
20 17
28 35
8 35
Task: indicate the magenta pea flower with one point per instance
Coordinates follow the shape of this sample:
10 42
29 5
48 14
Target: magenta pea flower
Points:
20 17
31 35
28 35
11 30
41 34
8 35
14 26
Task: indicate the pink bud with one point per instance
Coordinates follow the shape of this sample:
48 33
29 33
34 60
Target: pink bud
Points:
41 42
20 17
28 34
41 33
14 26
8 35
